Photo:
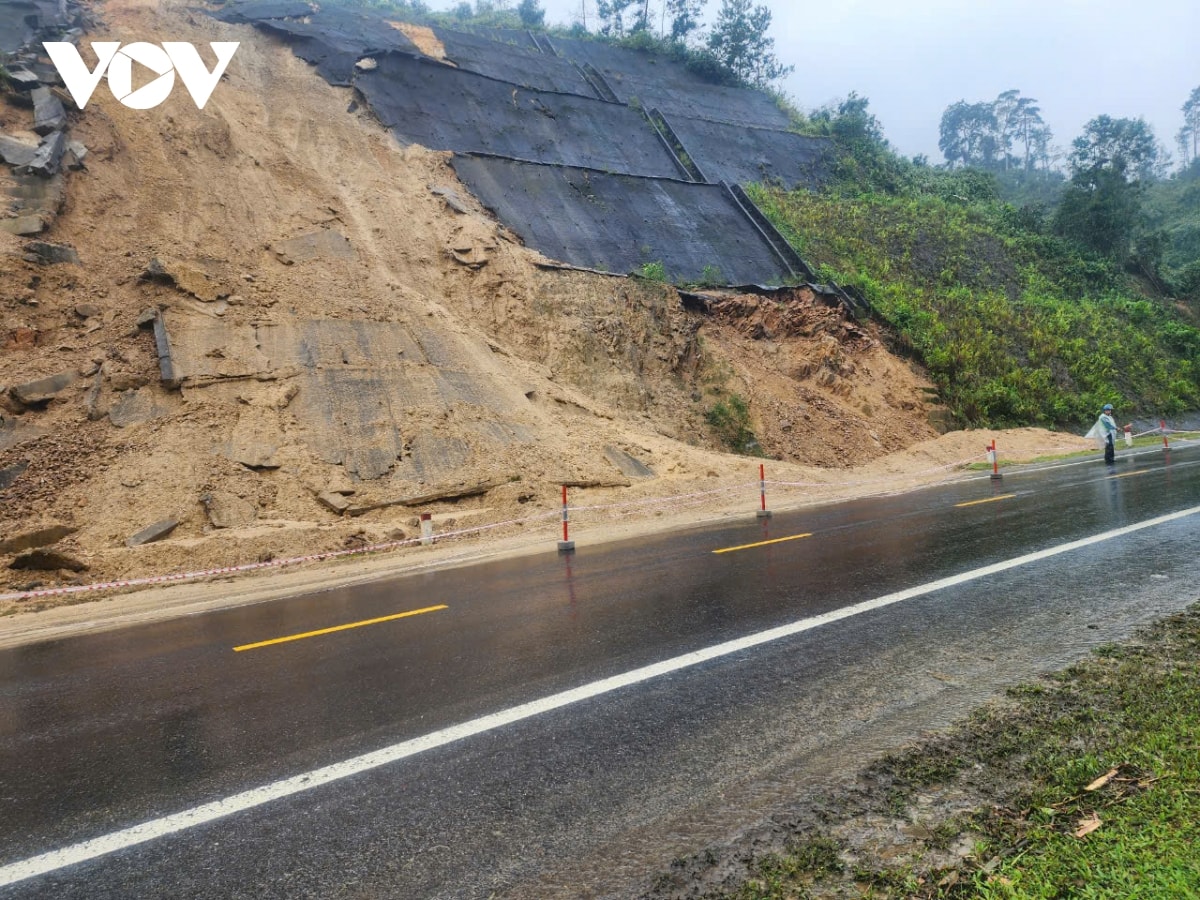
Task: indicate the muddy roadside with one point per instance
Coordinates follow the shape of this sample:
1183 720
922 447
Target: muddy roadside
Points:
958 814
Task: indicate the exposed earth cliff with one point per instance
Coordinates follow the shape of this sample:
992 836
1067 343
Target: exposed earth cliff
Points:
345 321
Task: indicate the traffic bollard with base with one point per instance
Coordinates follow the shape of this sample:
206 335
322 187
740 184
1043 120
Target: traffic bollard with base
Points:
994 459
565 545
762 513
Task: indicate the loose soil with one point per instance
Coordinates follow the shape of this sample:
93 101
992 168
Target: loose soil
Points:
220 197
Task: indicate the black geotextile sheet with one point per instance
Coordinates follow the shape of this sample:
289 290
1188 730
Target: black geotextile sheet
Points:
741 154
333 39
650 80
619 223
444 108
519 63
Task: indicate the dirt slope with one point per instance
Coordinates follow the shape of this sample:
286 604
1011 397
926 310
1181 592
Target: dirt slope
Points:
282 211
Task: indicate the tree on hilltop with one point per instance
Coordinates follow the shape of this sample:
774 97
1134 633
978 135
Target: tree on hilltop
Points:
685 18
740 43
1110 164
1189 135
983 134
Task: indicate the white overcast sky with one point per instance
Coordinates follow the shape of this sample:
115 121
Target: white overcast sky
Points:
913 58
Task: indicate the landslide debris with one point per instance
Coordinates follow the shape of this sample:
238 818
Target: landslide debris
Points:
279 244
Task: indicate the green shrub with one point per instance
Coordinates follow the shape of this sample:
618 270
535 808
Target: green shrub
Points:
730 419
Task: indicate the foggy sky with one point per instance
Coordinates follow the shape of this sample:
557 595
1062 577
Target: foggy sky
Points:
913 58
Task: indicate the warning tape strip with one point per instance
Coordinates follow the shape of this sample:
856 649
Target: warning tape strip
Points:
175 577
679 500
658 501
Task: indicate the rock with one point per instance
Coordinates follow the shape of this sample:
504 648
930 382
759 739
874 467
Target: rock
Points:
152 533
9 475
127 381
22 79
138 406
335 502
15 152
452 199
75 154
50 254
86 310
91 402
627 464
286 397
326 244
227 510
48 561
45 389
48 112
39 537
255 456
48 158
23 225
21 338
186 278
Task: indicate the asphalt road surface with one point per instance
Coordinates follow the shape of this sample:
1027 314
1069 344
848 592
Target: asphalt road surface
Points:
564 725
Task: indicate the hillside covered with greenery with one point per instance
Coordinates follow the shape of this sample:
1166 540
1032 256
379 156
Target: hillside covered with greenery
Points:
1035 284
1032 296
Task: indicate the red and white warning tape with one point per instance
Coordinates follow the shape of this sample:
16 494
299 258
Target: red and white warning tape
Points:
676 500
175 577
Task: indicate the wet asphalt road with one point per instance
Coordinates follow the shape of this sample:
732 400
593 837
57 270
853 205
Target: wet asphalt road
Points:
103 732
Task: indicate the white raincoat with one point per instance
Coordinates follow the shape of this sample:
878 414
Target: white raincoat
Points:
1105 425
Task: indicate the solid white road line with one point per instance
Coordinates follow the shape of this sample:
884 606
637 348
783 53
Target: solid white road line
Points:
208 812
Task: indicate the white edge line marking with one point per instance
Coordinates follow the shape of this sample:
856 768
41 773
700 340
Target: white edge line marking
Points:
209 812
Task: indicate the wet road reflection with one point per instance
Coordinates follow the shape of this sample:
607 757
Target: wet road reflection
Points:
103 731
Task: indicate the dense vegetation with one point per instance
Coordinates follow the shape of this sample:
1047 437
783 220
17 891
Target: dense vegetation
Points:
1034 287
1036 313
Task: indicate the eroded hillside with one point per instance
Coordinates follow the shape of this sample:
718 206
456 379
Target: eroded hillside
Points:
345 319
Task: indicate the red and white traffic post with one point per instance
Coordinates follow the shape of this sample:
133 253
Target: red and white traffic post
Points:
1162 429
763 512
566 544
994 459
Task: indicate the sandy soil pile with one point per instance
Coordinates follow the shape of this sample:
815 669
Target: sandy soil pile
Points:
282 203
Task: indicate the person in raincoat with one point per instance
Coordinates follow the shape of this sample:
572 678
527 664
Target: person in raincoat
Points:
1105 433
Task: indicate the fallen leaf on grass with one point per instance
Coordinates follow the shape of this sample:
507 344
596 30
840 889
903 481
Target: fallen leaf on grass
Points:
1102 780
950 880
1087 826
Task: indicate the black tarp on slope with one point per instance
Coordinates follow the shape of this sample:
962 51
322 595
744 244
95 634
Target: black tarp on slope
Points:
657 81
519 63
444 108
333 39
618 223
742 154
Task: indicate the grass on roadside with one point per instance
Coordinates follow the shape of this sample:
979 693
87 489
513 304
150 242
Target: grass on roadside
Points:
1083 784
